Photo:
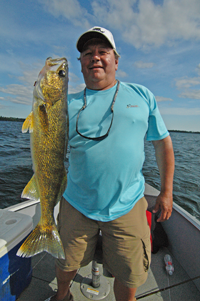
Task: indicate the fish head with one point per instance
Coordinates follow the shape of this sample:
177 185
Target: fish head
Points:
52 81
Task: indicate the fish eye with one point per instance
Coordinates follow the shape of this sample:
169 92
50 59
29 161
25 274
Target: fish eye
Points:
62 73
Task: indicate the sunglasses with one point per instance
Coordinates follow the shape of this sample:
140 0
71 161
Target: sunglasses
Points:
83 108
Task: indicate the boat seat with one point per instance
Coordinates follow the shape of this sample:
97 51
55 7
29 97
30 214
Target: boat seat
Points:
98 255
96 286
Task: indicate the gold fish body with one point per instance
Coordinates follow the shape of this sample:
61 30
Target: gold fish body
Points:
48 127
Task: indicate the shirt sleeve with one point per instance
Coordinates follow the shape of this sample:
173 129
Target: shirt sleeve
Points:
156 126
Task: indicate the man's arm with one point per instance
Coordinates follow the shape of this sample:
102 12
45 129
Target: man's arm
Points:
165 160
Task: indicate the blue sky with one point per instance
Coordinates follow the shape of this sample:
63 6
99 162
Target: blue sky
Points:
158 40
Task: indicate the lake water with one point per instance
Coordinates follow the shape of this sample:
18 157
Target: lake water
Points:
16 167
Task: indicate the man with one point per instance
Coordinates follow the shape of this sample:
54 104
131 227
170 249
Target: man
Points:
108 122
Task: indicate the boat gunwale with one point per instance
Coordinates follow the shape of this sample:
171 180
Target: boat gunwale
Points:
149 191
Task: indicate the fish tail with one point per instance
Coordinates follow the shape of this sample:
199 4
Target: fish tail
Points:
40 240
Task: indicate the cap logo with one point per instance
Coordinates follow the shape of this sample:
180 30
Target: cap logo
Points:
98 29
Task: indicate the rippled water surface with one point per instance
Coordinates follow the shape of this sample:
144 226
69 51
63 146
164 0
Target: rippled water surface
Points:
16 166
187 170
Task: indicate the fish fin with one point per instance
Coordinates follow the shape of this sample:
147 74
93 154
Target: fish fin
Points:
62 187
28 124
31 190
42 239
44 122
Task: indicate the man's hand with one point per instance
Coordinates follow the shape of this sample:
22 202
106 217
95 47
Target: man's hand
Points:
165 160
165 203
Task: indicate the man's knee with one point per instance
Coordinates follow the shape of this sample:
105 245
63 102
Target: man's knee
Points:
123 293
65 276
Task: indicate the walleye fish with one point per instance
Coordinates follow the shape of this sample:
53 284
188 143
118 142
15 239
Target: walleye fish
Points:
48 127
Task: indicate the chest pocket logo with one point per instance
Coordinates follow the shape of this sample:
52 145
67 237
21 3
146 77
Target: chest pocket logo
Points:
131 106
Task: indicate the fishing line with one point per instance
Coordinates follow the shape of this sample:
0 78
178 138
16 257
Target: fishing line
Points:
166 288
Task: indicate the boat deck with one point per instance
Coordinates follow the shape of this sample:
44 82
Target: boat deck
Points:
159 286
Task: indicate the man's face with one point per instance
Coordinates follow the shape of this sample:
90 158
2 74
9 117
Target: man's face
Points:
98 65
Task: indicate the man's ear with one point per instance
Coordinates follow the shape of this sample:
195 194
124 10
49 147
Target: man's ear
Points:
116 64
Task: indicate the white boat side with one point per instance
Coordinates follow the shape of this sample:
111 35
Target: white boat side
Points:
183 231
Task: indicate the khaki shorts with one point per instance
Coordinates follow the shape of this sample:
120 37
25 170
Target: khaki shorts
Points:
125 242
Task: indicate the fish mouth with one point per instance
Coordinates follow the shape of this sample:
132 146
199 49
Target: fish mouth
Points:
54 65
59 65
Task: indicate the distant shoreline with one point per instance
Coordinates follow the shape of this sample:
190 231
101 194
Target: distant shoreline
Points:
11 119
22 120
179 131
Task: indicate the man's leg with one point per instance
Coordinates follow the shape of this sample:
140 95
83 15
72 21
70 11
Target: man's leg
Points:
79 236
63 280
123 293
127 250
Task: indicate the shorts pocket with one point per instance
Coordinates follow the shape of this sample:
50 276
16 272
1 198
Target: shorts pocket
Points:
146 261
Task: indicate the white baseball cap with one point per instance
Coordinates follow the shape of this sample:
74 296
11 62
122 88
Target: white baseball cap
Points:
96 32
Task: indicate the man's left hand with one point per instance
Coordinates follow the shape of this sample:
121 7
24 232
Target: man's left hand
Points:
165 203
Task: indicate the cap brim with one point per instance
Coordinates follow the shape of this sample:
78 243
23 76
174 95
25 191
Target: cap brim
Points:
88 36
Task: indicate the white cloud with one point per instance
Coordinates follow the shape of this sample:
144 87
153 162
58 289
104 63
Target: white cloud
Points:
30 72
198 69
143 65
144 23
186 82
119 12
23 93
161 98
1 108
141 23
73 77
44 33
121 73
76 89
70 9
192 94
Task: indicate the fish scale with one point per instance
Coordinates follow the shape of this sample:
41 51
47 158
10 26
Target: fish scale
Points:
48 127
